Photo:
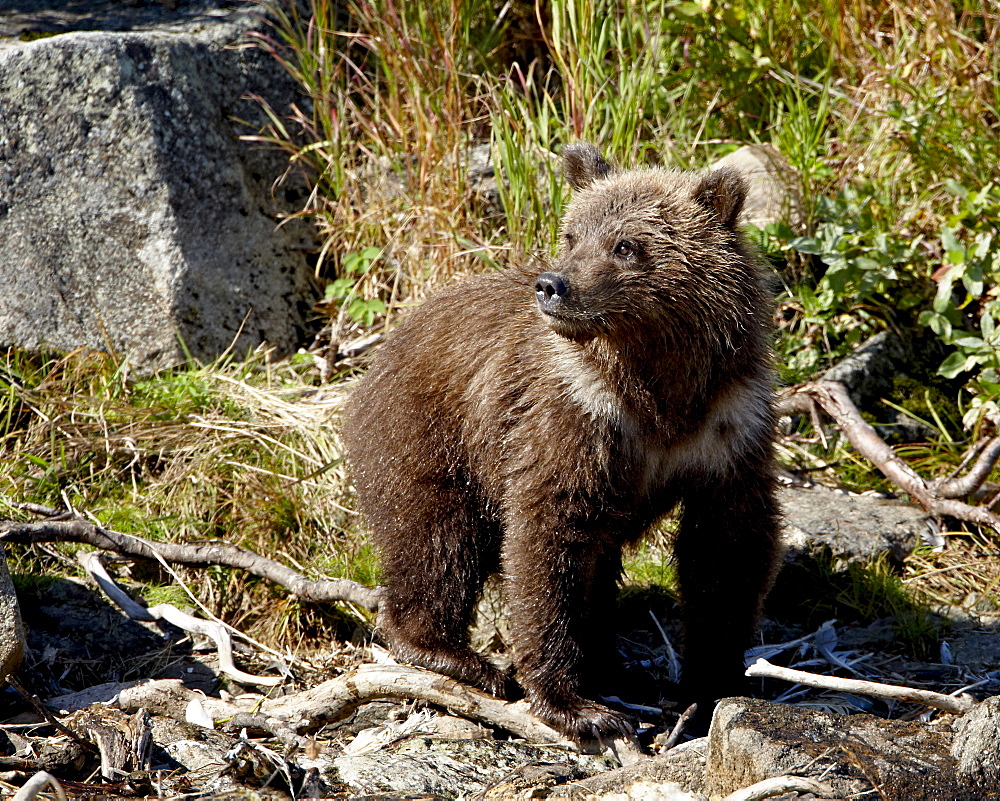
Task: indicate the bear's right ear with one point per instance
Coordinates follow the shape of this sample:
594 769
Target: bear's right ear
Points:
583 164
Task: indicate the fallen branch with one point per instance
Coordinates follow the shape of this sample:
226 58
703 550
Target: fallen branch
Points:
936 497
213 553
890 692
336 699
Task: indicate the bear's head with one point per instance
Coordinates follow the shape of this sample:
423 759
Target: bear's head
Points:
644 249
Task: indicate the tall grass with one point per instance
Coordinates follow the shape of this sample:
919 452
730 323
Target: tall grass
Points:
888 97
385 142
605 79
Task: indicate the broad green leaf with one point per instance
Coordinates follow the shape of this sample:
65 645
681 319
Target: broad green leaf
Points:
987 325
950 242
806 244
939 325
942 298
953 365
864 263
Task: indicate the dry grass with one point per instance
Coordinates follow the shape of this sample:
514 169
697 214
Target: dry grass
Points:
921 101
386 144
965 575
247 452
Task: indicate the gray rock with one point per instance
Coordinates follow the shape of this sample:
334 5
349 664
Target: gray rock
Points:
33 18
850 528
774 187
678 775
868 371
11 627
754 740
973 645
131 217
976 746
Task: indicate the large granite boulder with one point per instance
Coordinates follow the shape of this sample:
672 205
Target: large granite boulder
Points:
131 216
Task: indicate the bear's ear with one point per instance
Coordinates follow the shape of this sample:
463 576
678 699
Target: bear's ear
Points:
722 192
583 164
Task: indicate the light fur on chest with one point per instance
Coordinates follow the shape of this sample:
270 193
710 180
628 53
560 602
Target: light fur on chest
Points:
737 420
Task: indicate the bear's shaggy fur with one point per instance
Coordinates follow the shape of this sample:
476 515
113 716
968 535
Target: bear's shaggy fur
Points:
536 424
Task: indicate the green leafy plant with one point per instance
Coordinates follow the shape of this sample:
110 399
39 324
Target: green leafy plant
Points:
865 278
343 291
966 310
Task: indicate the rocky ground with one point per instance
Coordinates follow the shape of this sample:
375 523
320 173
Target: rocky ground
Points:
849 745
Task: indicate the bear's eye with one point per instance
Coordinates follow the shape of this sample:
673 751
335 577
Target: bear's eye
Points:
624 249
570 239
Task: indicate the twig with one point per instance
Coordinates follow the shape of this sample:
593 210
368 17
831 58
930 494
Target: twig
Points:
673 663
38 509
890 692
215 553
36 784
969 455
955 487
937 498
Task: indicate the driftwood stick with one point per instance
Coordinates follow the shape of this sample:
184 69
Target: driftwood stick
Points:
336 699
212 553
678 729
37 784
937 498
890 692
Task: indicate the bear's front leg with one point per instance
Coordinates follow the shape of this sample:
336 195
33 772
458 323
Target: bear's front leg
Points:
726 554
561 586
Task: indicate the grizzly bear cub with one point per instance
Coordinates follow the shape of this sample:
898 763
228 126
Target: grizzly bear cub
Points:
534 424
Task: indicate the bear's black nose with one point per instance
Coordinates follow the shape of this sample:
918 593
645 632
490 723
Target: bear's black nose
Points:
550 287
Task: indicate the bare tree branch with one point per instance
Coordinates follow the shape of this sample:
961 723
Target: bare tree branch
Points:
213 553
955 487
937 498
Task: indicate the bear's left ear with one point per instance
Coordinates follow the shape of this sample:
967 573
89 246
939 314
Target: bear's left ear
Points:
583 164
722 192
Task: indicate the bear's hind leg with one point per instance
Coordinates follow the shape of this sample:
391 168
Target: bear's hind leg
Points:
726 556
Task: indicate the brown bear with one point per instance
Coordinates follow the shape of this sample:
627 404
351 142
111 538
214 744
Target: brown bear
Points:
535 424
